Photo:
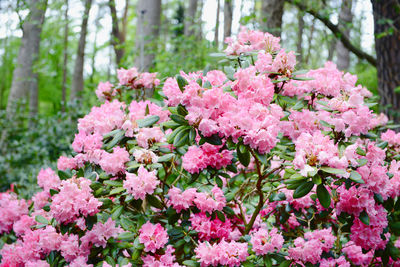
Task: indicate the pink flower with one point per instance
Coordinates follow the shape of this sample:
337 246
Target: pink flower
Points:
216 77
11 210
105 91
87 142
153 236
172 91
48 179
165 260
100 233
145 156
209 203
224 253
210 229
65 163
143 183
265 242
75 198
114 162
126 77
181 200
356 256
40 199
23 224
148 136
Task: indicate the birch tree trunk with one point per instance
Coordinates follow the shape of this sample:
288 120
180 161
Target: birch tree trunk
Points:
228 14
387 48
24 74
271 16
147 32
345 18
190 18
77 81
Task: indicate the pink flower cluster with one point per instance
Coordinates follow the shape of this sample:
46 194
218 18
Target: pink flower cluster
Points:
99 234
143 183
11 210
208 228
105 91
203 201
223 253
114 162
310 248
165 260
153 236
132 78
265 241
199 158
74 199
48 179
87 142
249 41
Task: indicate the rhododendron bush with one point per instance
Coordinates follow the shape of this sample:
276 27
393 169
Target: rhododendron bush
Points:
256 165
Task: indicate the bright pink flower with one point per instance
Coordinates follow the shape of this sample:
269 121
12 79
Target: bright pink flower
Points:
210 229
23 224
224 253
165 260
100 233
40 199
355 254
265 241
114 162
143 183
209 203
48 179
153 236
181 200
11 210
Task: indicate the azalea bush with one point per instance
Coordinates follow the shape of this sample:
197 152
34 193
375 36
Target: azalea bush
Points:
256 165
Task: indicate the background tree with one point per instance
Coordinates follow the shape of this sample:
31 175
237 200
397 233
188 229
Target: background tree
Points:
65 61
118 33
216 32
345 19
77 81
271 16
24 77
387 47
228 15
190 17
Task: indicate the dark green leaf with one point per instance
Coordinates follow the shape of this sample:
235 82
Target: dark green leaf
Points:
303 189
333 170
148 121
117 212
154 201
323 196
356 177
181 82
243 155
364 218
179 119
181 138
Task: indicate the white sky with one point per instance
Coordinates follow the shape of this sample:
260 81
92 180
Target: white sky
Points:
362 8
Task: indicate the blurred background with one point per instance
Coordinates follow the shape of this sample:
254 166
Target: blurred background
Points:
53 53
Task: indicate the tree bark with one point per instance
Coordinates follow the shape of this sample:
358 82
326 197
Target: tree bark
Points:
228 14
24 75
216 33
387 46
345 19
118 36
65 62
300 32
190 18
77 81
147 32
271 16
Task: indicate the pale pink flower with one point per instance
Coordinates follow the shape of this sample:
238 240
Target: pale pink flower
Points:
143 183
153 236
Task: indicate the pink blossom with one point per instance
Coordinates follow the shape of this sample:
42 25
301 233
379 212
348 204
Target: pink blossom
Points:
87 142
23 224
105 91
145 156
216 77
210 229
114 162
224 253
65 163
355 254
165 260
209 203
100 233
143 183
181 200
148 136
40 199
11 210
153 236
126 77
48 179
265 241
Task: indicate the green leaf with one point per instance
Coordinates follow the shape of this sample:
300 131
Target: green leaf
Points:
323 196
364 218
116 139
53 192
302 78
333 170
382 145
191 263
182 110
64 175
220 216
127 236
117 212
117 190
181 82
229 211
165 158
113 183
361 151
171 136
154 201
303 189
148 121
192 135
267 261
214 140
324 123
41 219
285 263
243 155
362 162
181 138
356 177
179 119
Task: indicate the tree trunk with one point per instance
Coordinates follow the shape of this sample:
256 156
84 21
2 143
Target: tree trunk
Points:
345 18
77 81
190 18
271 16
310 38
387 46
118 36
65 62
228 14
216 33
299 45
24 74
147 31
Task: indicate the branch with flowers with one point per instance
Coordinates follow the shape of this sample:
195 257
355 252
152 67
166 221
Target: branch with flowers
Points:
256 165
